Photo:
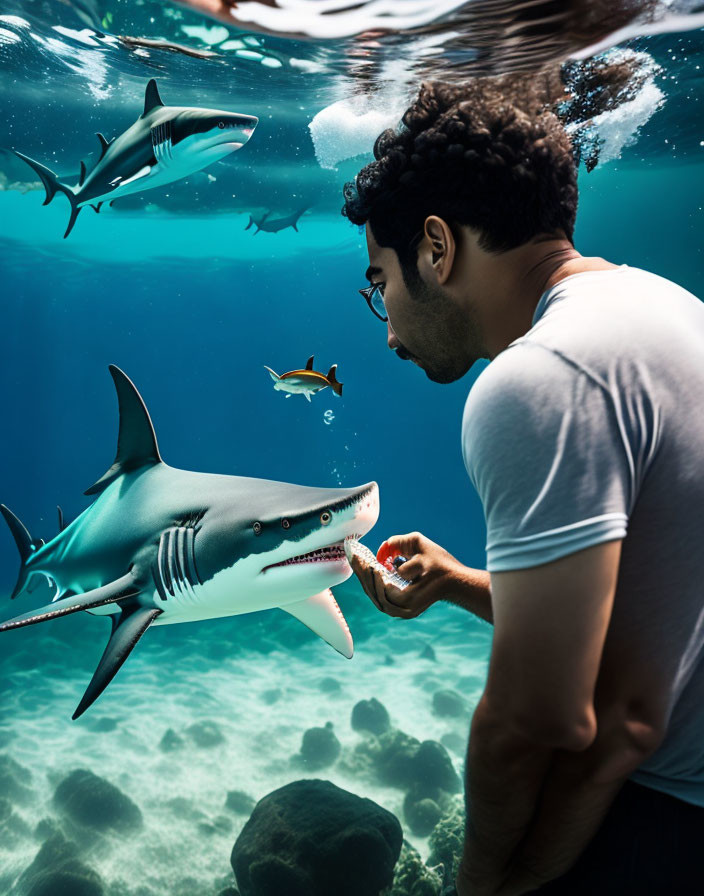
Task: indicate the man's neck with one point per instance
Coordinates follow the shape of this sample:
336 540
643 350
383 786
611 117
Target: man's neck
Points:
516 280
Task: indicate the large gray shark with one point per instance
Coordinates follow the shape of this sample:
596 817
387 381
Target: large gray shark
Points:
161 545
165 144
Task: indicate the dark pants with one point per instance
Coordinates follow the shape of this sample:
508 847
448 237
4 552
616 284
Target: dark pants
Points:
650 844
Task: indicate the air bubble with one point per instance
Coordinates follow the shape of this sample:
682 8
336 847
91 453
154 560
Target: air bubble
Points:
328 417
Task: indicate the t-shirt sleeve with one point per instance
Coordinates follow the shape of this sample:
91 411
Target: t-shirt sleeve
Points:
543 448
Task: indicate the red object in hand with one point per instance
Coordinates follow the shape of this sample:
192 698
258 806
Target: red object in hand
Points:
386 554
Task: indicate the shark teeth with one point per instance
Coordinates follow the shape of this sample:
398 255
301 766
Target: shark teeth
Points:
331 553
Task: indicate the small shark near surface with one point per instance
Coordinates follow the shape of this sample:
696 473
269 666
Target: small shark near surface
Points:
274 225
161 545
165 144
305 382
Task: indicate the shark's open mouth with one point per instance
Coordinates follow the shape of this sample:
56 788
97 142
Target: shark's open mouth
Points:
331 553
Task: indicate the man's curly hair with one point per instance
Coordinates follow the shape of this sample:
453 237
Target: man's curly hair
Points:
473 157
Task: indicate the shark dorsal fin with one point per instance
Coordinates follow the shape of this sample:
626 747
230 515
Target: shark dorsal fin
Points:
309 363
136 440
151 98
104 144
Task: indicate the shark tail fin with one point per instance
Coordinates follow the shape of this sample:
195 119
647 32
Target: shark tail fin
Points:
332 379
26 545
251 221
52 184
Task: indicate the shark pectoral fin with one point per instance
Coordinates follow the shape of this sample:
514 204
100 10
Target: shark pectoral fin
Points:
307 395
322 615
126 632
121 588
143 172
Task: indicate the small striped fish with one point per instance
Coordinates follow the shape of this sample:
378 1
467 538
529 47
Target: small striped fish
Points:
354 548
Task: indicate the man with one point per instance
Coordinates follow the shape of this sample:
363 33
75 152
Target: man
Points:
584 438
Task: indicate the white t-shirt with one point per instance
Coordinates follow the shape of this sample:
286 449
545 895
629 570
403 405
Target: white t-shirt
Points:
590 428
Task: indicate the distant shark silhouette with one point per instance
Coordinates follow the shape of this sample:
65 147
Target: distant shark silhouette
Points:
161 545
166 143
305 382
269 225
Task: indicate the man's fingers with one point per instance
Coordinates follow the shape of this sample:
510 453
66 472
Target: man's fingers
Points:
410 544
412 569
364 574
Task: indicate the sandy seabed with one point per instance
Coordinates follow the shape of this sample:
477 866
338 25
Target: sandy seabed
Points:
261 703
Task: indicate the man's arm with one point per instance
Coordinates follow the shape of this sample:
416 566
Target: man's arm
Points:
550 624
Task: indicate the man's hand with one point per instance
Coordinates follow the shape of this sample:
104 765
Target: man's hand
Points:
434 575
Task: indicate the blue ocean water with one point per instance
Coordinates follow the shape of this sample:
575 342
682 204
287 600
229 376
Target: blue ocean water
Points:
172 288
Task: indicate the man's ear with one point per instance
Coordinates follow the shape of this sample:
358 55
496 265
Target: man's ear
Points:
442 246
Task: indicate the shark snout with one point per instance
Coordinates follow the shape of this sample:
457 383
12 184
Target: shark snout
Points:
366 509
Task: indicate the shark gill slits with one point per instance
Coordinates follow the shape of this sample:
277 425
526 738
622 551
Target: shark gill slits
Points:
285 524
257 527
325 518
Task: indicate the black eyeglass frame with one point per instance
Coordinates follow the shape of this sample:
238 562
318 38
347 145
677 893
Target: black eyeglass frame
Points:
368 291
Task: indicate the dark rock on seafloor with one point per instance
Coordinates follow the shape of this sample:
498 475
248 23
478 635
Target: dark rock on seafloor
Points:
392 754
311 838
329 685
101 724
427 653
92 802
370 715
400 760
15 781
421 813
218 825
229 891
205 734
272 695
240 802
412 877
319 747
447 839
171 741
185 809
433 767
455 742
57 870
449 703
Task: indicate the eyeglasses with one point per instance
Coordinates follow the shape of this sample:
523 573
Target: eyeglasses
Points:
374 295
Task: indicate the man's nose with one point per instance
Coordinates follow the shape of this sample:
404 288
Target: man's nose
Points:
391 338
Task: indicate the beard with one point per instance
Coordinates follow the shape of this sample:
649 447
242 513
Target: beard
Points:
446 331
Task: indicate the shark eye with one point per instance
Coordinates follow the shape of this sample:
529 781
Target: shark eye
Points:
221 124
326 517
257 528
285 523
